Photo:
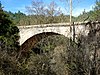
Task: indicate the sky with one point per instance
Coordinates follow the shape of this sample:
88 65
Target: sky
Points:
78 5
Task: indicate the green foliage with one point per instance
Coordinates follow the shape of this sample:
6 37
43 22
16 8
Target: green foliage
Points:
92 15
42 15
39 15
45 62
97 10
8 43
54 55
7 30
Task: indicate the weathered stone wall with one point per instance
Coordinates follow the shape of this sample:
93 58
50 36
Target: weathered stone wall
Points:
27 32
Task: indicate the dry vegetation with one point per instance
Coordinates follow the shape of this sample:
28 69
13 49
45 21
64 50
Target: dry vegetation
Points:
52 55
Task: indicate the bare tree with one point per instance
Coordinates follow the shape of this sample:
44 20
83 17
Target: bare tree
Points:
44 13
37 7
53 9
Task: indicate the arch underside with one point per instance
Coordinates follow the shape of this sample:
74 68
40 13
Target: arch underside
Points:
30 43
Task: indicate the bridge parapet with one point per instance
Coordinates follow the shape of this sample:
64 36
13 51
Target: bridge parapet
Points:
52 25
55 24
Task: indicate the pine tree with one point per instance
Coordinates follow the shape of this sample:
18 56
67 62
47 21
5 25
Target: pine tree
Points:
8 32
97 10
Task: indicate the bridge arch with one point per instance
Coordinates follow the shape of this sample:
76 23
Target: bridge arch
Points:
30 43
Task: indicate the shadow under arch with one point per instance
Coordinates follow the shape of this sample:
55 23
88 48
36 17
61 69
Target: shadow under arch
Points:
30 43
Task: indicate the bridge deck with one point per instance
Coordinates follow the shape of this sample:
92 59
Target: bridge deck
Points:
52 25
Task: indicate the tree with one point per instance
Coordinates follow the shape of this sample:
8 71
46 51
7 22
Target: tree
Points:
52 11
8 42
37 8
44 13
7 29
97 10
93 15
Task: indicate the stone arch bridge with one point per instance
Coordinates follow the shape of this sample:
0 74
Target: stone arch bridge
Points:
31 34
